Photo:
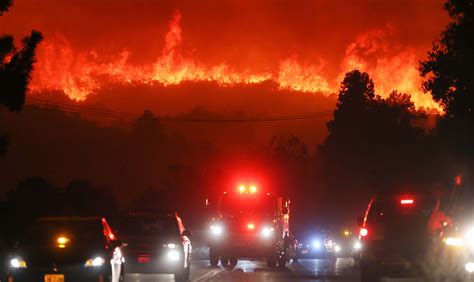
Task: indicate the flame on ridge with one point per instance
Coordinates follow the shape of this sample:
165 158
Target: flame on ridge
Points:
81 74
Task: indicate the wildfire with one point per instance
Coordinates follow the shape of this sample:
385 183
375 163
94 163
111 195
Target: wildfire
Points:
81 74
391 67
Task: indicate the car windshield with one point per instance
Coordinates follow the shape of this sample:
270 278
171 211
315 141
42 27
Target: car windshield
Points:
149 226
48 232
246 204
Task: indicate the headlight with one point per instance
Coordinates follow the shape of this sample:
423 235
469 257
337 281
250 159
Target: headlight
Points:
461 241
357 245
267 231
337 248
173 255
470 238
469 267
170 246
94 262
17 263
454 242
217 230
316 244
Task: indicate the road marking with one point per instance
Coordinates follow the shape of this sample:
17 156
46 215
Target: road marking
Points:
207 275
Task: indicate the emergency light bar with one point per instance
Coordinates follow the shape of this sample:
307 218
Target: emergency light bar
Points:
243 189
253 189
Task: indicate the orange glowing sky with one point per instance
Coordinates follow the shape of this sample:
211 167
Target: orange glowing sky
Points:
304 46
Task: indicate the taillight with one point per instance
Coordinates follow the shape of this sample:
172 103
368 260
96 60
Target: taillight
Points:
364 232
407 201
251 226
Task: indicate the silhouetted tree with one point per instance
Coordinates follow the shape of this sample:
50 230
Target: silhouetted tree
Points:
83 198
449 77
352 117
5 5
289 148
31 198
289 162
372 143
15 69
153 200
36 197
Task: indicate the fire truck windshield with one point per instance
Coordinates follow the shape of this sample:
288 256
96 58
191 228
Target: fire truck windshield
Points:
246 204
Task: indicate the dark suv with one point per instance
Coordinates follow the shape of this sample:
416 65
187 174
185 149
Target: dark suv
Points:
394 235
67 249
157 243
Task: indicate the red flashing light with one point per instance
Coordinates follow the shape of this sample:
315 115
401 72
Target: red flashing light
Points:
242 189
253 189
364 232
251 226
407 201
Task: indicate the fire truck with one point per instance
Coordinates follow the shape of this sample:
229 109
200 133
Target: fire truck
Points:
250 223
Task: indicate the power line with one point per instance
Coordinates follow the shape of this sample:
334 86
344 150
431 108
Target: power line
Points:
38 100
97 112
57 108
267 119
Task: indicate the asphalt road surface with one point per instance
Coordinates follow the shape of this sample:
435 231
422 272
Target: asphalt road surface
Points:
341 269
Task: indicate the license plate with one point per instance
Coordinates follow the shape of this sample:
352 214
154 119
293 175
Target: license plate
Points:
304 251
54 278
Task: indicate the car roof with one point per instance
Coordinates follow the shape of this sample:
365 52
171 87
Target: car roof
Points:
401 194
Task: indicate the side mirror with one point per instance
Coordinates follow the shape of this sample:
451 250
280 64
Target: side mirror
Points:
186 233
285 210
360 221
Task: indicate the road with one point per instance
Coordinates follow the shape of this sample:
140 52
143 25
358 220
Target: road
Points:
341 269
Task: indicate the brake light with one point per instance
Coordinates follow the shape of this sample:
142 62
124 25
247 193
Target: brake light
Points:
364 232
407 201
242 189
251 226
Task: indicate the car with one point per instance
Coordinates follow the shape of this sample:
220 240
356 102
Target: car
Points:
346 243
157 243
455 256
394 236
58 249
319 244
